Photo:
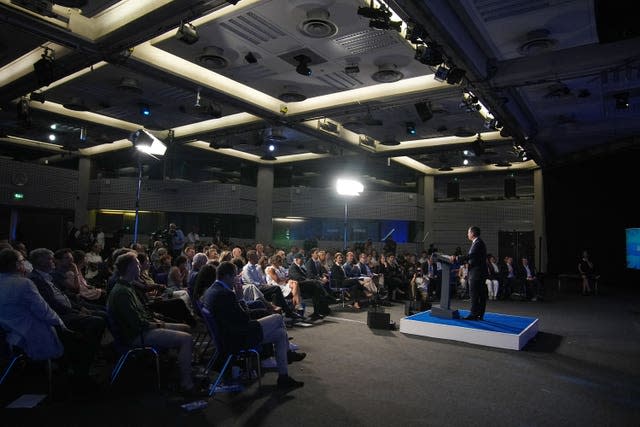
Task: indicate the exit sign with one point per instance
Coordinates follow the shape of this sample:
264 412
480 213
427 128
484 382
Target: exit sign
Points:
18 196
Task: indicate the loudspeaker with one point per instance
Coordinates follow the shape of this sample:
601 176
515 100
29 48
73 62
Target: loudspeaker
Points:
424 111
509 188
453 190
378 319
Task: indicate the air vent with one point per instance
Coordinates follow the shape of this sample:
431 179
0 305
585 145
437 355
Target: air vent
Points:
212 58
317 25
75 104
291 94
130 85
387 73
537 41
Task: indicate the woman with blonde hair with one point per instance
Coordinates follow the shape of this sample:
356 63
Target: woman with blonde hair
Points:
276 275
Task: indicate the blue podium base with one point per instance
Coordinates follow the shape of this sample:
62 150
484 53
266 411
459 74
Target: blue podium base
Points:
496 330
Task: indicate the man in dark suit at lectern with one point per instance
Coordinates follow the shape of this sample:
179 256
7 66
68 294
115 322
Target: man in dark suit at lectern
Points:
477 259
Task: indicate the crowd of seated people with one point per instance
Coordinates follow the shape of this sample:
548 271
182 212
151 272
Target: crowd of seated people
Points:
152 295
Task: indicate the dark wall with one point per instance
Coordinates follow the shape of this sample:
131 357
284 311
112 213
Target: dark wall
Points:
588 206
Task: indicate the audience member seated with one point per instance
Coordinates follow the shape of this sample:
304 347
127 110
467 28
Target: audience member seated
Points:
527 276
205 278
315 269
340 280
509 278
224 300
95 271
171 309
311 287
66 277
277 276
79 284
90 324
433 276
138 326
493 277
463 276
393 275
26 317
252 274
587 273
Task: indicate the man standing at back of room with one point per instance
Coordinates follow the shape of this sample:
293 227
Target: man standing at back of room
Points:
477 259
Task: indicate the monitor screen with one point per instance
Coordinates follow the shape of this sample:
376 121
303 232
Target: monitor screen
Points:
633 248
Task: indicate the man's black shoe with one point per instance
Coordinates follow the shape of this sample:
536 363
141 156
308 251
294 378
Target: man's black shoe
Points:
286 382
293 356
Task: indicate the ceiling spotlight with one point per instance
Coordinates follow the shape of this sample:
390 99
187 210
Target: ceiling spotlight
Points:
465 162
145 110
622 100
272 148
303 61
250 58
386 25
83 133
411 128
455 75
44 68
441 73
372 13
187 33
144 141
429 55
416 33
52 137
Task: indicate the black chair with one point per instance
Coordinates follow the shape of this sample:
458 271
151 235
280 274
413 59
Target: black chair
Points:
125 350
245 353
13 355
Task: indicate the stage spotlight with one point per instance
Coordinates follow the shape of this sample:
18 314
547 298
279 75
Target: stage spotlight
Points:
147 143
303 61
44 68
429 55
187 33
411 128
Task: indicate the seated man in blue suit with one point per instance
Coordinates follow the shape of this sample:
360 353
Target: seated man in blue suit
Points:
224 300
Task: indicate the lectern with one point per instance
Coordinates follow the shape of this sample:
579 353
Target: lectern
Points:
444 310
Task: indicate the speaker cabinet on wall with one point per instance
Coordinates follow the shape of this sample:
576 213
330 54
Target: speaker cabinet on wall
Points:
424 111
509 188
453 190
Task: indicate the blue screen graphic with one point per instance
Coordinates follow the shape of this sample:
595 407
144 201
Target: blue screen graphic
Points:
633 248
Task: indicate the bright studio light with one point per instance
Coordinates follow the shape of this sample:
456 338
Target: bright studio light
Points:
349 187
147 143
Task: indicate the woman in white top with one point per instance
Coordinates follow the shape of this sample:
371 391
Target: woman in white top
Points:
277 275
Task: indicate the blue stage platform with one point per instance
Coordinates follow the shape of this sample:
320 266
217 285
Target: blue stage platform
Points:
496 330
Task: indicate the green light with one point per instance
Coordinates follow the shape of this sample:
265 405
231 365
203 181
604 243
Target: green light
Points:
18 196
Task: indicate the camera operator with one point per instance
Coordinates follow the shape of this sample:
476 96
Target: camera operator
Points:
177 240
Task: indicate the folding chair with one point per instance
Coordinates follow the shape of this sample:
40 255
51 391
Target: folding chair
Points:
220 349
13 355
125 350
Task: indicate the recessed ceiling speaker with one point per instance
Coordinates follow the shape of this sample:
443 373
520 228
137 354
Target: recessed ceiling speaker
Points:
387 73
131 85
317 24
424 111
212 58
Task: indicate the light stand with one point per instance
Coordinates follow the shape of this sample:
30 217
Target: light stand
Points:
348 187
135 223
